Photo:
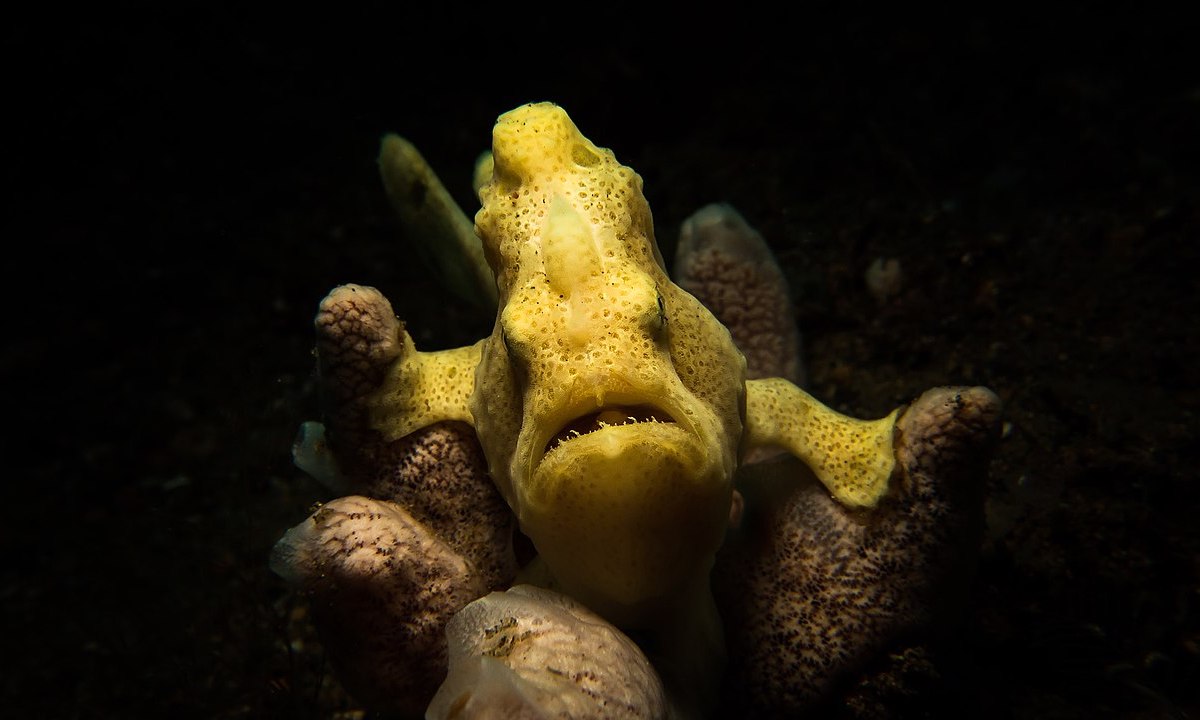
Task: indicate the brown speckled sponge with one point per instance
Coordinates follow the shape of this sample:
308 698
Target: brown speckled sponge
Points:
728 266
425 533
437 473
358 339
808 590
382 588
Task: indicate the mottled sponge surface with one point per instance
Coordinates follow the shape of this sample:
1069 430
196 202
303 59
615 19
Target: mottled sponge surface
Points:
374 382
727 265
358 338
533 653
439 475
382 588
437 472
809 590
426 531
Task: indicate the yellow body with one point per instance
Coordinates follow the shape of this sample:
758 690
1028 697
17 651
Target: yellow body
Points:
611 405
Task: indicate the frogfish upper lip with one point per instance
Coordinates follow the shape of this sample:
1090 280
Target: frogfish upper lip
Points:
604 417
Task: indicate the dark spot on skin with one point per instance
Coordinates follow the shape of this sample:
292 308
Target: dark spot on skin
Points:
417 193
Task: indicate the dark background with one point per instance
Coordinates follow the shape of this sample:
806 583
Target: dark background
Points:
182 191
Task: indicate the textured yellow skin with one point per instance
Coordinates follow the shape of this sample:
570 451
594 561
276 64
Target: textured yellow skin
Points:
424 388
852 458
626 517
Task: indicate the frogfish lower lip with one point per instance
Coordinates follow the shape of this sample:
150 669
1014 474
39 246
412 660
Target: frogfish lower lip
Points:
607 416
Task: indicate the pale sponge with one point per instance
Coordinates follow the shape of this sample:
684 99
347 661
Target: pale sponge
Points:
533 653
